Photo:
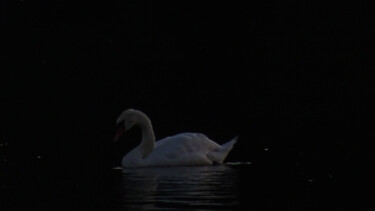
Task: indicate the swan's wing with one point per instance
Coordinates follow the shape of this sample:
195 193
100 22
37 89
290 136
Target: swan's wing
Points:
186 142
185 148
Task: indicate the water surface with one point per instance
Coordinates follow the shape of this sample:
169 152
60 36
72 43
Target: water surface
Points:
231 186
198 188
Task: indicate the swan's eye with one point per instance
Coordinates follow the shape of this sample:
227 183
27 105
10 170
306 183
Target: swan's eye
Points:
120 124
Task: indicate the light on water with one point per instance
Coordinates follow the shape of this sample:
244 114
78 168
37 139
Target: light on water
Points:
117 168
237 163
208 187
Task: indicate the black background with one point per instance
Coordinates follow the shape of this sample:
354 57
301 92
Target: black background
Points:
292 78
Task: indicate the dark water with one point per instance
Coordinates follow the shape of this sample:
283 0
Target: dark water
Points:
198 188
231 186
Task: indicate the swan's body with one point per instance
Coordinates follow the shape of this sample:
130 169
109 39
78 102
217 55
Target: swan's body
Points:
181 149
185 149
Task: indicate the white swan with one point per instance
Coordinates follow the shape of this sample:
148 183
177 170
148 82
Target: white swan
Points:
185 149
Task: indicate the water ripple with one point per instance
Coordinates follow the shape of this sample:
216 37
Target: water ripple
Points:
162 188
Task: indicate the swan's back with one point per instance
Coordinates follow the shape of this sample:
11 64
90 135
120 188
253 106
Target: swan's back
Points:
186 142
182 149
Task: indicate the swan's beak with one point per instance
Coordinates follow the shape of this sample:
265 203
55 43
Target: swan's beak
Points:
119 132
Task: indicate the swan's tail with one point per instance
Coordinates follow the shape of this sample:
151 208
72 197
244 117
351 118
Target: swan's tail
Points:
220 154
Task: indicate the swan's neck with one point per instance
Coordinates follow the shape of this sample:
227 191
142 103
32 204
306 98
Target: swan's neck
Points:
148 137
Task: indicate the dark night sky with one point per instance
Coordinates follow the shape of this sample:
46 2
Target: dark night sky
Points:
288 77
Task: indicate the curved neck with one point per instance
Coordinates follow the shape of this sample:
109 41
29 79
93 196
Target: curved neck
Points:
148 137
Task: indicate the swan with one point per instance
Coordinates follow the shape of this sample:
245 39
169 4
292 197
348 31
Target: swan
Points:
184 149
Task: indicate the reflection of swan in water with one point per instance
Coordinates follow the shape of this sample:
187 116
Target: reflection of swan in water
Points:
185 149
190 187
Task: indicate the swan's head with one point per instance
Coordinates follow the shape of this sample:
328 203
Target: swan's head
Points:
127 120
